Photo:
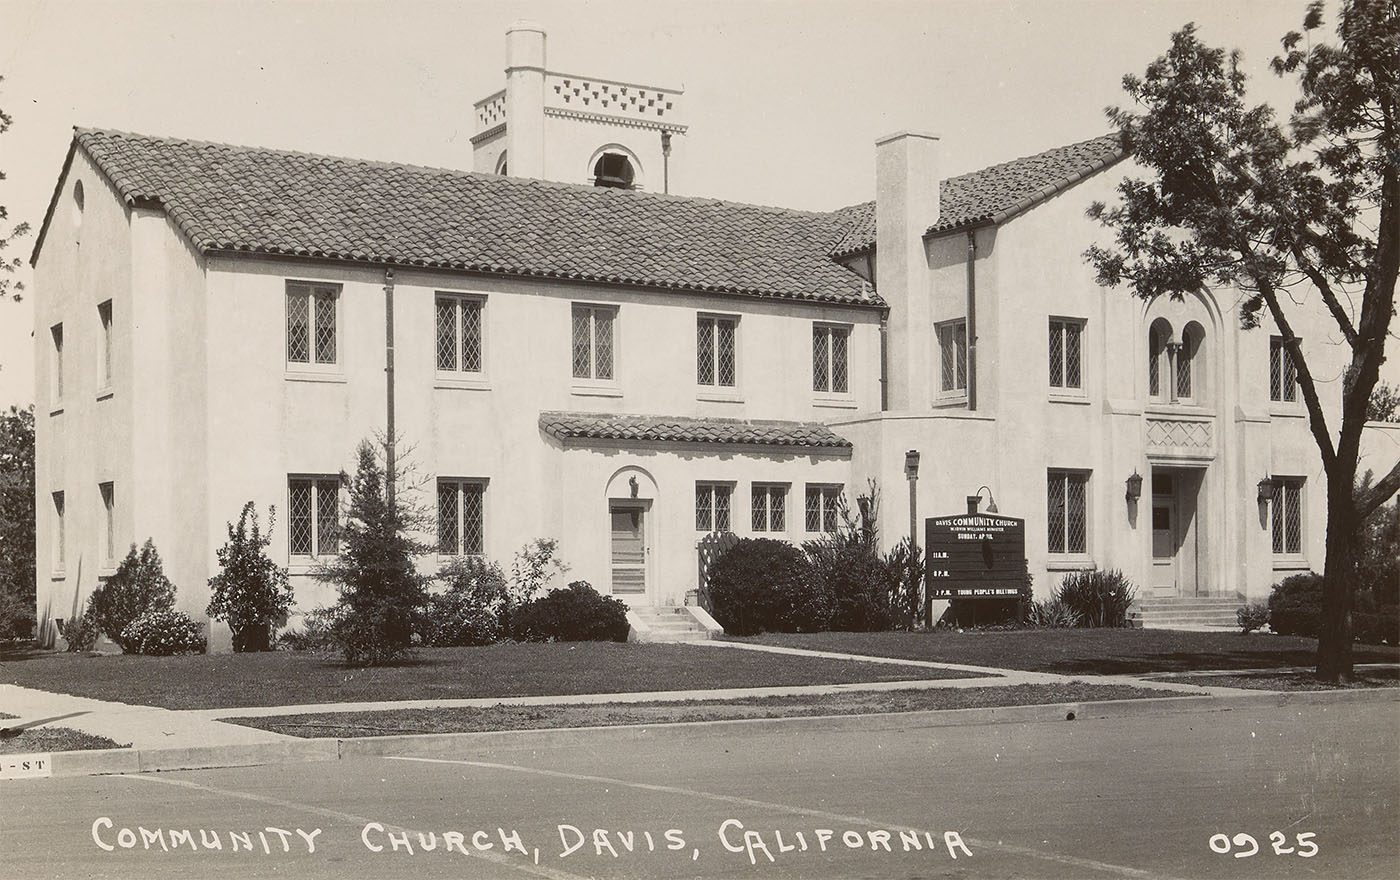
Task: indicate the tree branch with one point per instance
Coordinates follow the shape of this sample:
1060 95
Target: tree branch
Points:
1328 296
1317 421
1367 502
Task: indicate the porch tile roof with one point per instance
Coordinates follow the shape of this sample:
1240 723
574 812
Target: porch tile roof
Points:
683 429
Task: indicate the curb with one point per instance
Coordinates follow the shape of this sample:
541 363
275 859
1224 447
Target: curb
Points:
123 761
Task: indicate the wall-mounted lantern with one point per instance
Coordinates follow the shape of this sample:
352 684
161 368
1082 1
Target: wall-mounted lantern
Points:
1266 489
1134 486
911 464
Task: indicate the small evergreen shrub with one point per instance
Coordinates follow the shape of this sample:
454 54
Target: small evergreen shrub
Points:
1052 614
1295 605
1252 616
317 632
138 586
574 614
763 585
470 611
250 592
1101 598
907 562
81 632
854 583
163 633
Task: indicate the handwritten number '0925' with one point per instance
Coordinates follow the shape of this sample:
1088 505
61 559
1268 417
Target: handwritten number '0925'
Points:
1245 845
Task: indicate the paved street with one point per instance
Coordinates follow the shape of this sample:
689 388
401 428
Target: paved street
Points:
1137 797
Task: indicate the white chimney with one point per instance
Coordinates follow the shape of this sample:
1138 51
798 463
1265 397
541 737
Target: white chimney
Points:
906 204
525 99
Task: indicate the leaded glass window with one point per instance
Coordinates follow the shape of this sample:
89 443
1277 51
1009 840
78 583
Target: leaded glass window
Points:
714 351
313 516
1286 515
593 344
1066 496
830 358
712 506
822 504
1066 370
769 508
458 338
952 351
461 517
1283 373
312 325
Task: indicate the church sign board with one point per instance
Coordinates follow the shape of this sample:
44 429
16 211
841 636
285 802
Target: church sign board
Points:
974 556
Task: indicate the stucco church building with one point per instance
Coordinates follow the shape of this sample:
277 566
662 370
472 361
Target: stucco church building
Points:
580 355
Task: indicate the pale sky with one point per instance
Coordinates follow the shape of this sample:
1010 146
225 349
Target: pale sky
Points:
784 98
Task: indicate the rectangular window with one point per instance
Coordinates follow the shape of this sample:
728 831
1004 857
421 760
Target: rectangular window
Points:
1065 363
714 351
104 363
311 324
769 508
1286 516
56 331
313 515
952 350
461 517
713 502
109 531
59 536
831 358
1067 511
594 345
1283 375
459 343
823 502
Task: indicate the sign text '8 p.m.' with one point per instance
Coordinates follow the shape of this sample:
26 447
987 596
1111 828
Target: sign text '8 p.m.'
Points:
974 556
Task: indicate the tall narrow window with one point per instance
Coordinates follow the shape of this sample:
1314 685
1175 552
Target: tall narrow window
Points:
593 343
1067 511
56 331
769 508
831 358
461 517
822 504
1159 336
59 531
313 516
104 357
712 506
312 327
109 530
459 342
1066 370
952 350
714 351
1286 515
1283 374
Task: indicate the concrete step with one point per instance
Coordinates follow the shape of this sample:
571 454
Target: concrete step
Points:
1187 612
1207 601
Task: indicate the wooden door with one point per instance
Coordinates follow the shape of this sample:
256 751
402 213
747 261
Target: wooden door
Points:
629 549
1164 535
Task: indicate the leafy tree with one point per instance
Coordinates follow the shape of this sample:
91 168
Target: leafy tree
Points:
1384 405
137 587
1310 211
16 522
9 287
381 592
250 592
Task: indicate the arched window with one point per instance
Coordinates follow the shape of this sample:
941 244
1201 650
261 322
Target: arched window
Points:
614 170
1189 374
78 201
502 166
1159 336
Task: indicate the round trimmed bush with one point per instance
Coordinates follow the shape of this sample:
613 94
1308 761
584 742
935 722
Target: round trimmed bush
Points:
1295 605
762 585
469 612
575 614
164 633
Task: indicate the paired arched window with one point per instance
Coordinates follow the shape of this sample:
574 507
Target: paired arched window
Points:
1175 371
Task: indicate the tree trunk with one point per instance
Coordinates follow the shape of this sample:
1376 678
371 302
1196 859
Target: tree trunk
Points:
1338 582
253 638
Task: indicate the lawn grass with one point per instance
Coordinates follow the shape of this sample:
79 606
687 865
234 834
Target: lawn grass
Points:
56 739
347 725
509 669
1082 651
1291 681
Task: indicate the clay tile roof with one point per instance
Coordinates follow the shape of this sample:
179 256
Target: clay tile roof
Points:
677 429
260 201
995 194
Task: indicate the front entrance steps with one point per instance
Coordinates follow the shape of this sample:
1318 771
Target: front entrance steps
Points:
671 623
1186 612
